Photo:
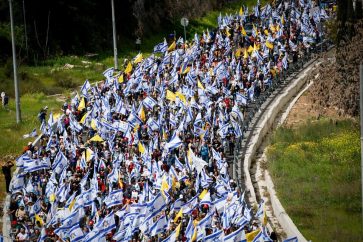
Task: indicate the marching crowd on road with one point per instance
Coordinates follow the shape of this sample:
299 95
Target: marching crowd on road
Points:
142 155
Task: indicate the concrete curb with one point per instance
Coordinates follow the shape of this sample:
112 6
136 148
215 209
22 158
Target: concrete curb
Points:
6 220
263 126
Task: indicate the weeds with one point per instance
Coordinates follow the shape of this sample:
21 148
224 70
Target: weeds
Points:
316 171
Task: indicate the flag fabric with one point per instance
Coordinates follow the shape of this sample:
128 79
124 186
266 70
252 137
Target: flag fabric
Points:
238 235
161 47
128 68
114 198
292 239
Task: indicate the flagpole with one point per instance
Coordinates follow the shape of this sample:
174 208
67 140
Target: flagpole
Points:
114 35
17 101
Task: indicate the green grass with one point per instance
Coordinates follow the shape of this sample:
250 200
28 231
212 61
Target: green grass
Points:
316 172
12 141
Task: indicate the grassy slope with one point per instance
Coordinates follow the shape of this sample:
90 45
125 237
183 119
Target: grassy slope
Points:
11 132
316 171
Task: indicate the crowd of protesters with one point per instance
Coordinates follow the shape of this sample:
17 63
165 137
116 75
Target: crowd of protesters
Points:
142 155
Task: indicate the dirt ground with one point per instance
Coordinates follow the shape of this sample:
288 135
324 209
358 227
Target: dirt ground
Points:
304 110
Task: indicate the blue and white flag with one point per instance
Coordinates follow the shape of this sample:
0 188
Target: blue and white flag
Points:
114 198
31 134
108 74
174 143
76 233
159 226
238 235
84 89
149 102
293 239
215 237
161 47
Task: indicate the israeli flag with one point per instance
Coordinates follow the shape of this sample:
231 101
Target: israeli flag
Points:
108 74
159 226
149 102
292 239
60 163
161 47
86 86
241 99
174 143
215 237
284 62
123 126
35 209
238 235
114 198
76 233
134 119
156 205
108 223
189 231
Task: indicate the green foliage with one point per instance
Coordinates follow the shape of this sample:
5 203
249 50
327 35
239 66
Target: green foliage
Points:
316 172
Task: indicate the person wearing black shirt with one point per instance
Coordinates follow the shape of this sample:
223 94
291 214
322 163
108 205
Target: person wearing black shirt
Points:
6 168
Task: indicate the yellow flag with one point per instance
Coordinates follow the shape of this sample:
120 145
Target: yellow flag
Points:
39 219
172 46
121 79
142 115
52 197
282 19
96 138
93 124
164 186
177 230
273 29
238 52
194 237
141 148
186 70
88 154
240 11
81 105
200 85
202 194
227 33
266 32
120 183
84 118
243 31
170 95
269 45
128 68
252 235
178 215
250 49
264 219
255 47
56 116
245 55
181 97
72 204
138 58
